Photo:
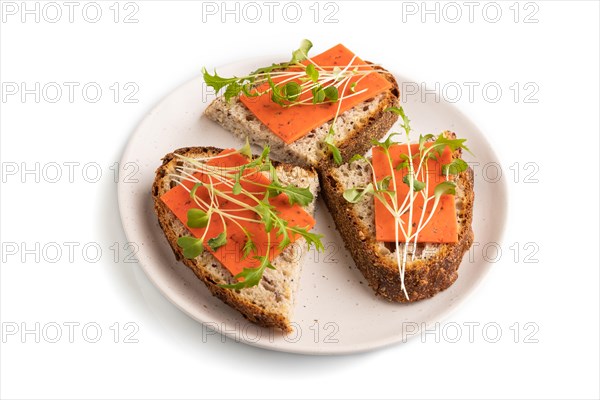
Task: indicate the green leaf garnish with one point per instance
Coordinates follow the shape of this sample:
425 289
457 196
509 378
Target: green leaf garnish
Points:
455 167
197 218
246 150
356 157
384 184
296 195
251 276
331 93
265 211
405 121
237 188
446 187
312 72
249 246
329 141
215 81
387 143
194 189
318 94
192 247
354 195
217 241
416 184
291 91
453 144
311 238
423 140
302 53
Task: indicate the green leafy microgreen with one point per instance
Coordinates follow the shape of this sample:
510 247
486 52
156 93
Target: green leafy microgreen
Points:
217 82
312 72
282 232
446 187
296 195
301 53
455 167
387 143
454 144
330 142
384 184
405 121
192 247
218 241
249 246
237 188
246 150
197 218
331 93
354 195
318 94
194 189
291 91
416 184
355 158
423 140
251 276
265 211
405 163
310 237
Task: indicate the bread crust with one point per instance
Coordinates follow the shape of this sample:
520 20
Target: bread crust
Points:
250 311
422 278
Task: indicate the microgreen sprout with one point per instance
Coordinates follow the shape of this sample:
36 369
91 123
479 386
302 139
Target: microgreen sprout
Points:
417 179
287 84
227 183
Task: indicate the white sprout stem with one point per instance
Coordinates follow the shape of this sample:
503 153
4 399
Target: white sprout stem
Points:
410 215
220 178
397 218
364 76
435 204
309 101
425 200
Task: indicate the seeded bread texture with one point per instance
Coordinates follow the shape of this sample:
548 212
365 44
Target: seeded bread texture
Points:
271 302
435 266
354 128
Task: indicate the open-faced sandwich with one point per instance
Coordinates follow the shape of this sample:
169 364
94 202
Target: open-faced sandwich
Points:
310 107
242 222
405 212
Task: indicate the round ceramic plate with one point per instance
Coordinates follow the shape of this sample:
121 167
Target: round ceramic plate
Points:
336 311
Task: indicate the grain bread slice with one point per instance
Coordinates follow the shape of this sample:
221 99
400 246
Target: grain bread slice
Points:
271 302
354 128
435 267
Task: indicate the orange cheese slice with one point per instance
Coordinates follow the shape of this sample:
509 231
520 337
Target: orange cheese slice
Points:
231 255
442 228
292 123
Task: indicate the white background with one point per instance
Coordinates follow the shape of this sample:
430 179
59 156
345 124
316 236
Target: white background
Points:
173 357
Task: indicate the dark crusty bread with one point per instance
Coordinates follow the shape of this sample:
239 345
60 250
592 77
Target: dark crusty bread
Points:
271 302
435 266
354 128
